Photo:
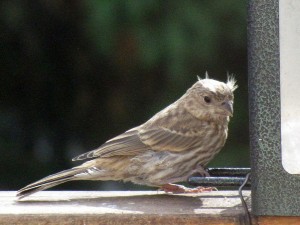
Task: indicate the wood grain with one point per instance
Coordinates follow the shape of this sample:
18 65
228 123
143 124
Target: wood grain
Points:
129 207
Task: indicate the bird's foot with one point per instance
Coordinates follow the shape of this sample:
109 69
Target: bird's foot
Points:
180 189
201 171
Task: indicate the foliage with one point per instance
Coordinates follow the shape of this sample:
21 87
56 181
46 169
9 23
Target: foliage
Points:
75 73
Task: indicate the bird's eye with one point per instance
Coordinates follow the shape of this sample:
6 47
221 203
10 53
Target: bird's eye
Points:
207 99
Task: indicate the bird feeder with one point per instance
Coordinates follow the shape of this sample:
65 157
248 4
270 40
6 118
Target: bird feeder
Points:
274 89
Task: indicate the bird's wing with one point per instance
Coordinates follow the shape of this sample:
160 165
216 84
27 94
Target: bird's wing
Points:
136 141
163 139
127 143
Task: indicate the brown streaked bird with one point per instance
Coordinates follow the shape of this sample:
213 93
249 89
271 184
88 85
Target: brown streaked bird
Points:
175 143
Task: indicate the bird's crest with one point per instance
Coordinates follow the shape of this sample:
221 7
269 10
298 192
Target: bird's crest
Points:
231 81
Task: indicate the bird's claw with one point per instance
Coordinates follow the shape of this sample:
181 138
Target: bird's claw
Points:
180 189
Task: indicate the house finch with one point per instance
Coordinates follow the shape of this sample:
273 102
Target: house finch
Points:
175 143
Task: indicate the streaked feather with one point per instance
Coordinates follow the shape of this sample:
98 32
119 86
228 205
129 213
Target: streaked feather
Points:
126 144
162 139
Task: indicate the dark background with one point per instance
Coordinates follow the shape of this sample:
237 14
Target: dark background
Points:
76 73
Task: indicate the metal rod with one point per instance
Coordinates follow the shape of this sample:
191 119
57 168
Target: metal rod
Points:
231 172
218 181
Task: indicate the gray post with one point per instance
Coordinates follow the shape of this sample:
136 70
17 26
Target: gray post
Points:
274 191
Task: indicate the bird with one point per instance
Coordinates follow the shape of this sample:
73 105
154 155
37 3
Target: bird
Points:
174 144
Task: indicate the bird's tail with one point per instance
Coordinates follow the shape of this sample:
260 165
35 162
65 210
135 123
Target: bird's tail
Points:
50 181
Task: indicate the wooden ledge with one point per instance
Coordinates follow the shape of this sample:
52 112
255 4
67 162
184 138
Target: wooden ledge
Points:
129 207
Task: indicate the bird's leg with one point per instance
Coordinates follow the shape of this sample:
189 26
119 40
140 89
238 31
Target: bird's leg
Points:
200 170
177 189
180 189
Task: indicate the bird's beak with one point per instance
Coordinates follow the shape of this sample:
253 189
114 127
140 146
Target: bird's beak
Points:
228 107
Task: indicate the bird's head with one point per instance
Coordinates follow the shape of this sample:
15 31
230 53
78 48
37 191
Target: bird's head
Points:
210 99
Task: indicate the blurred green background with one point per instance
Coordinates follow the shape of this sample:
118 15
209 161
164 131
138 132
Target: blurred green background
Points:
76 73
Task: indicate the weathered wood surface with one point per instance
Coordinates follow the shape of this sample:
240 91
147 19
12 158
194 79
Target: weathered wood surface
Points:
278 220
129 207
